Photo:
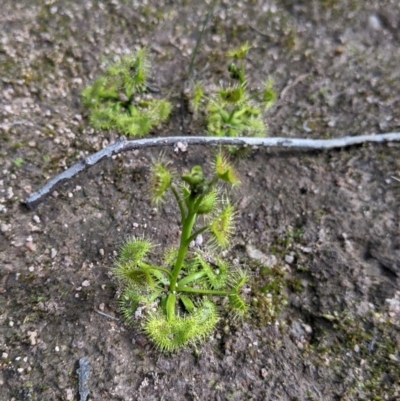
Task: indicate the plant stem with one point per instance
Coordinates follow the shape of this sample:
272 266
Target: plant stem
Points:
202 291
190 278
188 224
233 112
179 201
160 269
194 235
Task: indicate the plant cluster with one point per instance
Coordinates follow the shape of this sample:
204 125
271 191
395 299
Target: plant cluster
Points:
120 99
174 299
233 109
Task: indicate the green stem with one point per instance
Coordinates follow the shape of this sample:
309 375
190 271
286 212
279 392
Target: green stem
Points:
179 201
194 235
231 115
161 269
202 291
192 277
188 223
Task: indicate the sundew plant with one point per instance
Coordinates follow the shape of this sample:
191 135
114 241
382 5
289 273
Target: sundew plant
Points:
120 99
233 109
174 300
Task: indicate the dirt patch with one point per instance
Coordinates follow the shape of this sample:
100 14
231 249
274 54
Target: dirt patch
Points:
319 231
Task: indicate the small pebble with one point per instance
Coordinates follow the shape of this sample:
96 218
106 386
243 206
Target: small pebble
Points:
36 218
32 337
306 249
199 240
69 394
57 348
374 22
30 246
307 328
101 252
10 193
256 254
53 253
86 283
180 147
289 259
5 227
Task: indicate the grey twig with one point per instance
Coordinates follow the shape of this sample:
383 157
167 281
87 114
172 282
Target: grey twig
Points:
83 377
123 145
105 315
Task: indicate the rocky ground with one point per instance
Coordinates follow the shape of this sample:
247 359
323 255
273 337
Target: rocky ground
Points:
319 232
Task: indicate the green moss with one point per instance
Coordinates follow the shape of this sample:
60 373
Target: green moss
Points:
367 347
295 284
270 294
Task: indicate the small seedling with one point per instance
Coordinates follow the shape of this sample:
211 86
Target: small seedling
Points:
18 162
233 109
120 98
174 299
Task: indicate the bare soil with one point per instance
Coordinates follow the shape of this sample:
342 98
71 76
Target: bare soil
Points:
319 231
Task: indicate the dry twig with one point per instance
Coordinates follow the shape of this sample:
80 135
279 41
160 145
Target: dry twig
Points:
123 145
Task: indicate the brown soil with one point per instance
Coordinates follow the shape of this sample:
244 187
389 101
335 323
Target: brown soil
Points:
326 223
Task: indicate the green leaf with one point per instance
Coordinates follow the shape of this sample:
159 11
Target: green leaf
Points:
171 335
269 94
134 250
170 306
194 177
233 94
237 303
222 226
187 303
224 170
208 203
217 273
160 180
197 97
239 52
190 278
